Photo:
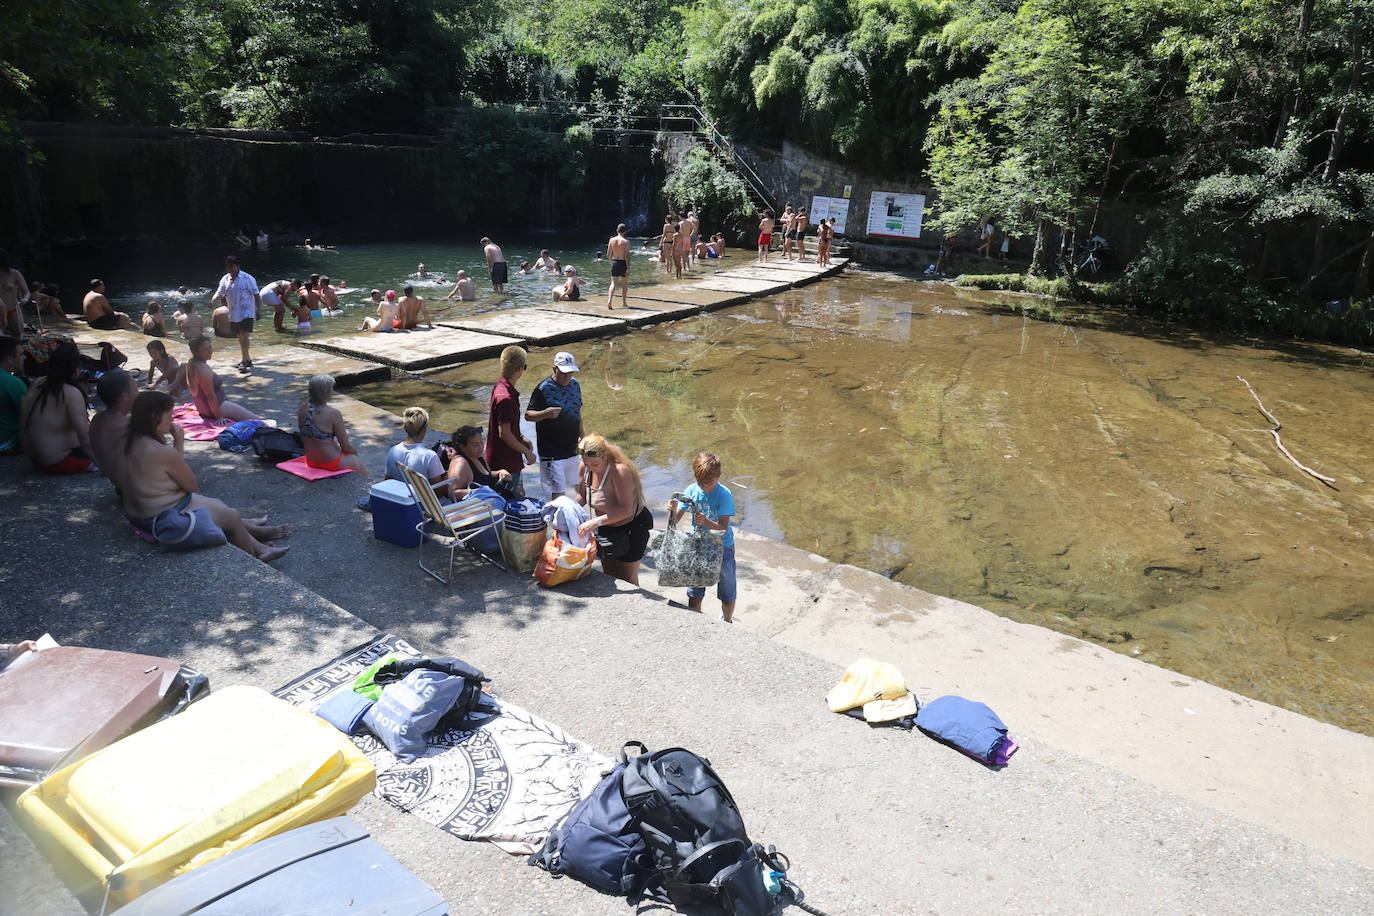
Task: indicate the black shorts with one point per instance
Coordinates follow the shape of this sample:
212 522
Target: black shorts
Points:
108 322
498 273
241 327
626 542
620 267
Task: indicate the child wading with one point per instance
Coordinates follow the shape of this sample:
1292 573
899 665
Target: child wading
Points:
715 506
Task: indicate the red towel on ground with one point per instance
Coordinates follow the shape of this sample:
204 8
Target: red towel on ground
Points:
298 467
188 418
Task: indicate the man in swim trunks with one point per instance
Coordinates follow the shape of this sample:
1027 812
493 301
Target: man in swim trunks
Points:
276 294
238 290
100 315
695 232
496 263
464 289
219 319
412 307
13 291
618 253
765 234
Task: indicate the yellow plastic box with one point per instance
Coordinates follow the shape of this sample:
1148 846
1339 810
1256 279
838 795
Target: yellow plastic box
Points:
235 768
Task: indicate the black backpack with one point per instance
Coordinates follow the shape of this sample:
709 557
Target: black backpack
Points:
277 444
701 855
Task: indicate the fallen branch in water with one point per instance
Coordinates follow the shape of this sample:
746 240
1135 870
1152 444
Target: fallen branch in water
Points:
1274 431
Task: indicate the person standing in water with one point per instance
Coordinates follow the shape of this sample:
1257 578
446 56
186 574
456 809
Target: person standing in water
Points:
238 290
496 263
464 289
276 294
618 253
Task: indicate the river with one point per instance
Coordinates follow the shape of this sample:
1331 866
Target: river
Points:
1109 480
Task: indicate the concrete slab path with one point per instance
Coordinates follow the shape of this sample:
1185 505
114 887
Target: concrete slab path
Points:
691 294
641 312
732 284
540 326
416 349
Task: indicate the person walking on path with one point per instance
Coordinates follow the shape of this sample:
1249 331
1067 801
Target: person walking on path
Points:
496 263
618 253
239 291
555 409
507 450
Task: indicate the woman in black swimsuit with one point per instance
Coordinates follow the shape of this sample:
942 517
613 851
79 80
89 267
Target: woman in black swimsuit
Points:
468 467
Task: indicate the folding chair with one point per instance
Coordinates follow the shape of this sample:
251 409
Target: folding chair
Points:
442 524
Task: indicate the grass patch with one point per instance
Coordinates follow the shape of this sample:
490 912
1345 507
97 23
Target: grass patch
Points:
1058 287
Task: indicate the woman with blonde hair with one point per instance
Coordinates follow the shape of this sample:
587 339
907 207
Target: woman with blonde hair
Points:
413 453
323 430
610 488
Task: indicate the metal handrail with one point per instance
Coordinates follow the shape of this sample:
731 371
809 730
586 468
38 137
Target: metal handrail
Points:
698 119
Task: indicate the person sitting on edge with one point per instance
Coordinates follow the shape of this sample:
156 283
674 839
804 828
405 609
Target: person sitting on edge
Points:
54 428
412 307
329 294
413 453
45 300
219 318
555 409
153 476
507 449
12 391
570 290
464 289
468 468
714 506
100 315
116 390
207 388
386 319
189 322
609 486
154 322
173 379
301 312
324 431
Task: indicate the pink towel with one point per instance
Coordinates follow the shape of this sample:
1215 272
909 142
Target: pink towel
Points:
197 429
298 467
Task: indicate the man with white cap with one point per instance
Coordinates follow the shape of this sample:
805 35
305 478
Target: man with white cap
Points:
555 409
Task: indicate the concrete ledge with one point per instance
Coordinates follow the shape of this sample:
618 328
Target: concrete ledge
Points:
417 349
753 288
540 326
642 312
685 294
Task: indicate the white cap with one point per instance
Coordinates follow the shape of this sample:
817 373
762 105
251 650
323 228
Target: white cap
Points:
564 362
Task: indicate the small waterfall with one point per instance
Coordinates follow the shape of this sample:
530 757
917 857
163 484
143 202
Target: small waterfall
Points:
636 193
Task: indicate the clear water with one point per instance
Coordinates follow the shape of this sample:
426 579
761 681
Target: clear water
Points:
1115 483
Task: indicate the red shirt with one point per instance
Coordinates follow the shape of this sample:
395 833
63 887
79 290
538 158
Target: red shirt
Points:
505 408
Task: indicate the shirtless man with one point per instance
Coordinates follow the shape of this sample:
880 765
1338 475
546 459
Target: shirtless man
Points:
694 234
100 315
276 294
765 234
207 389
682 250
412 307
544 261
618 253
799 233
46 301
13 290
496 263
189 324
219 318
464 289
420 273
117 390
153 476
329 294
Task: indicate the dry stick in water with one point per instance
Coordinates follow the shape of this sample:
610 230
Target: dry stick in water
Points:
1274 431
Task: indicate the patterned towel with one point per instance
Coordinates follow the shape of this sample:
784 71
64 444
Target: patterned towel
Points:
509 782
298 467
197 429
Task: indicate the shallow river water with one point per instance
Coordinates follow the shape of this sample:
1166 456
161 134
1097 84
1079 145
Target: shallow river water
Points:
1116 483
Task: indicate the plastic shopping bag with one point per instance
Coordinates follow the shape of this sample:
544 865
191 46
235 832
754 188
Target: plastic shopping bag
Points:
688 558
562 562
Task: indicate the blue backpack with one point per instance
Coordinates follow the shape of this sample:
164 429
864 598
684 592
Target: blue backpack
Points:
238 437
598 843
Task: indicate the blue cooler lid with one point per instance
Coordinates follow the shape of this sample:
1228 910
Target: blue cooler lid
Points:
395 491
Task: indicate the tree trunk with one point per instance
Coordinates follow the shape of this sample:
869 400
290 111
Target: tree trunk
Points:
1366 266
1037 264
1297 63
1343 118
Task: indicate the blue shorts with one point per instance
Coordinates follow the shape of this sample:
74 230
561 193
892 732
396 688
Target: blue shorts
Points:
725 588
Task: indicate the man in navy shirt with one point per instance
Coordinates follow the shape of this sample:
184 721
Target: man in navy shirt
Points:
555 408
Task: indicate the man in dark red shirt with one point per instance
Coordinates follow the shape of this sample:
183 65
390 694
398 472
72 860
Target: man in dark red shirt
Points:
507 450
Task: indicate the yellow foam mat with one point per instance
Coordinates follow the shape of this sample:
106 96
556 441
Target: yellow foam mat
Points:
238 766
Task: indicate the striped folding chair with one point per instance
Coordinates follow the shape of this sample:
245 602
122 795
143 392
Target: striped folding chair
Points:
455 525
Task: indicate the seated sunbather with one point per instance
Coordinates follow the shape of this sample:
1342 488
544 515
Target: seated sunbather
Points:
173 380
468 467
413 453
54 427
324 431
153 476
117 390
207 389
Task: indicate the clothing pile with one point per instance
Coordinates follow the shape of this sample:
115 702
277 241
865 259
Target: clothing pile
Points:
877 693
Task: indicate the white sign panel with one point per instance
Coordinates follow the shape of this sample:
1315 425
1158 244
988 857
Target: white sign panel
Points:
895 214
826 207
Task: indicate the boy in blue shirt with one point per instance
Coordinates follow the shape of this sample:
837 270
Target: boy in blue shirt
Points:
715 506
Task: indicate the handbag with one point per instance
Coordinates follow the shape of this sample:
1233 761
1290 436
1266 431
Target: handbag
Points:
562 562
688 558
186 529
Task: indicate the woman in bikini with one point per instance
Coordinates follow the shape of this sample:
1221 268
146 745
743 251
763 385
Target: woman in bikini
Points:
154 477
666 242
324 431
609 486
468 468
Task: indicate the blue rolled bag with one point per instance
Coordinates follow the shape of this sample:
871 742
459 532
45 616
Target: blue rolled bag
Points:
181 528
421 696
969 727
